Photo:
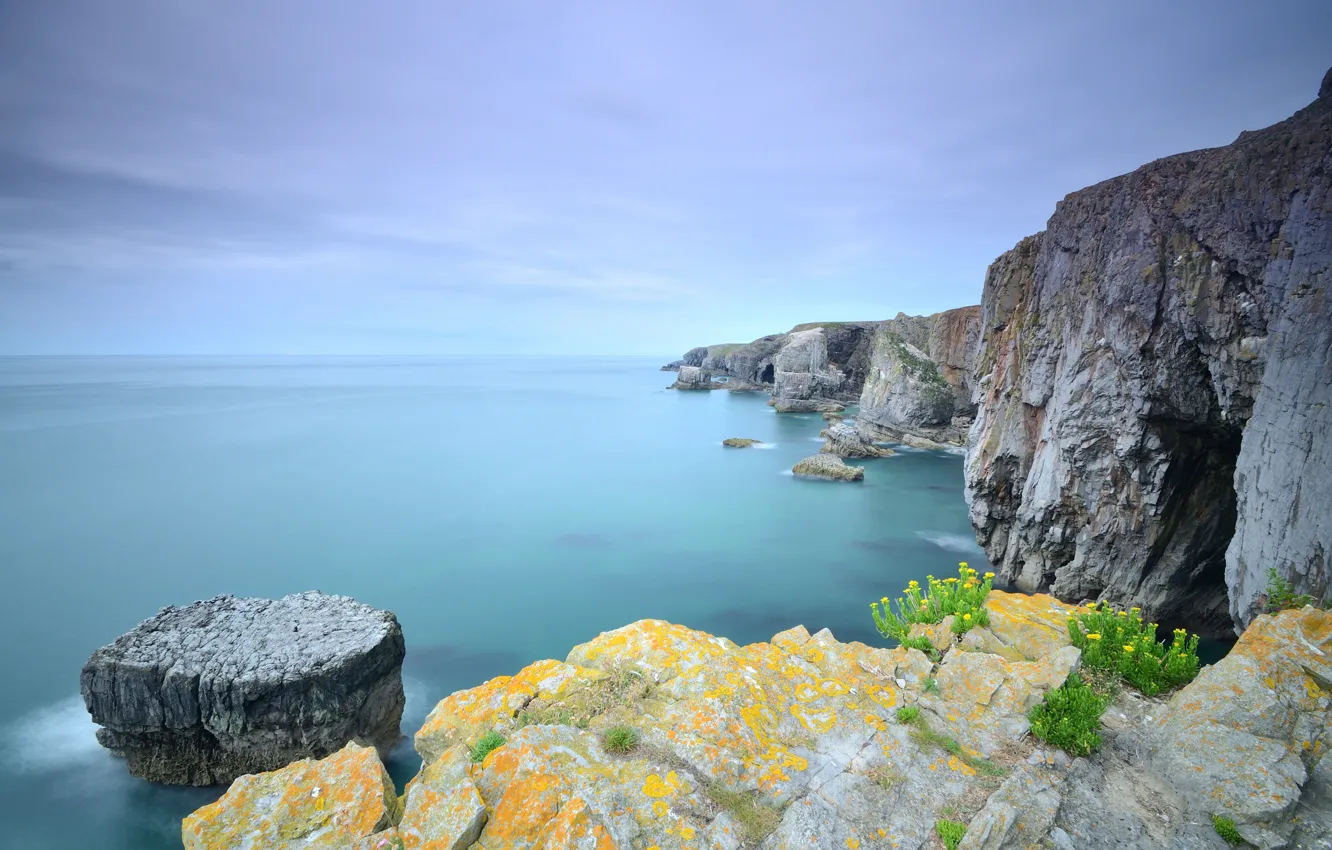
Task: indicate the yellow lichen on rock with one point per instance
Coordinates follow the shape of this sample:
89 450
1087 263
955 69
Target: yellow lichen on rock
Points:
329 803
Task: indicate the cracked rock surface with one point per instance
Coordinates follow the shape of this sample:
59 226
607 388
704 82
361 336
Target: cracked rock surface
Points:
201 694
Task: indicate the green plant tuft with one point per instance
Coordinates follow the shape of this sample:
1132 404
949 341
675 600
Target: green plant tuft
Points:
931 685
1281 594
1120 642
1225 827
962 598
1070 717
951 832
620 739
908 714
756 819
486 745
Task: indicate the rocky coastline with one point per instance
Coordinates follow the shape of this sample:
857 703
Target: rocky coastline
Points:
805 741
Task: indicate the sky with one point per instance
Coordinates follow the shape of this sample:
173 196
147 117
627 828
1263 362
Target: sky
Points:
446 177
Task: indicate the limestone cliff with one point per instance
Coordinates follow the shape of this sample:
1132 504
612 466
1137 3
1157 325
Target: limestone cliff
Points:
1155 377
911 374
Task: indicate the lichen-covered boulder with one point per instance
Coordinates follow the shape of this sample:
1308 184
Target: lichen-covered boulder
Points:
330 803
202 694
830 467
1241 740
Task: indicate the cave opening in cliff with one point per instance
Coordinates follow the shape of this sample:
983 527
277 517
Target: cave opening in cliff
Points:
1195 524
766 376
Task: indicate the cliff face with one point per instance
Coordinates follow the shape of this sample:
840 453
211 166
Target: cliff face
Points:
920 377
1155 377
912 375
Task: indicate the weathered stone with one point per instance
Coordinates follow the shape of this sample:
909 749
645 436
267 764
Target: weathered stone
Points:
845 441
1240 738
202 694
443 809
694 378
830 467
1018 814
1155 419
330 803
740 442
983 700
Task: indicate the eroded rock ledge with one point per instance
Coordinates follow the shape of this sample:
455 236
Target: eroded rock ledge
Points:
202 694
804 727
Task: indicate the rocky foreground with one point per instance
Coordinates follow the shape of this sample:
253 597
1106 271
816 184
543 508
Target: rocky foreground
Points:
202 694
797 742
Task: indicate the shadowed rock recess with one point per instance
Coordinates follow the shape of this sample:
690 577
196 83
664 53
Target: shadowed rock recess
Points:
202 694
1154 424
797 743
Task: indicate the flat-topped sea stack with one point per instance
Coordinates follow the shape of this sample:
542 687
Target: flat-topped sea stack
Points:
202 694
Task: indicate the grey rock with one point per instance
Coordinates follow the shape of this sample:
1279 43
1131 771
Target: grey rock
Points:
693 378
673 366
830 467
1017 814
1154 388
740 442
844 440
202 694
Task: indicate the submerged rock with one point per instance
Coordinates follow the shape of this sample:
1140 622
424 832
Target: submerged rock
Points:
830 467
202 694
740 442
845 441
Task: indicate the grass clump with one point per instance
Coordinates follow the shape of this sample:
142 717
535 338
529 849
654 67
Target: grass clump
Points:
885 777
1225 827
1070 717
1120 642
1281 595
620 739
755 819
951 832
931 685
962 598
486 745
922 734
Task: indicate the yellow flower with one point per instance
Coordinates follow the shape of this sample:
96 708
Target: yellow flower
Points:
951 580
884 600
989 575
1093 636
1128 647
924 603
962 563
966 617
913 583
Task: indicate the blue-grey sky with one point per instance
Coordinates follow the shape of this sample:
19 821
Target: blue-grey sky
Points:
423 176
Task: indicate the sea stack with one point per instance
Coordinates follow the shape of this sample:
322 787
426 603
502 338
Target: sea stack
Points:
202 694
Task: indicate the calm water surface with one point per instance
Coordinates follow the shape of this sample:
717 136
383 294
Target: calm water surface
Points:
505 508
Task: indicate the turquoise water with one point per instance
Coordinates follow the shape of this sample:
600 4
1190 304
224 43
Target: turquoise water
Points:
505 508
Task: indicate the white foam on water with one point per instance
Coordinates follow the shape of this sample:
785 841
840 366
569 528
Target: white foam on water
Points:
952 542
764 446
955 450
419 702
52 738
816 439
786 472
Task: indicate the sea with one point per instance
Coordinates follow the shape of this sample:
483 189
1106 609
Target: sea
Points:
505 508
